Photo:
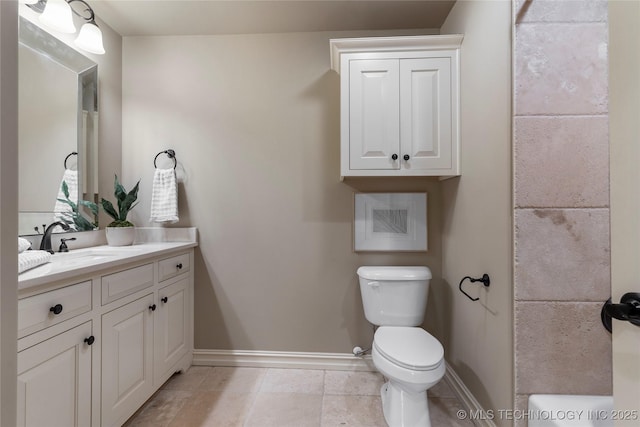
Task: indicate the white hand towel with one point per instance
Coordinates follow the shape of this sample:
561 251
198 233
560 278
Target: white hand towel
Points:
31 259
164 196
23 244
61 208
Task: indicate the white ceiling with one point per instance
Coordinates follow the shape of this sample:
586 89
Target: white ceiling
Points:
191 17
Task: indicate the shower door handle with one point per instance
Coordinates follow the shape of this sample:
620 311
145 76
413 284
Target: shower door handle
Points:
628 310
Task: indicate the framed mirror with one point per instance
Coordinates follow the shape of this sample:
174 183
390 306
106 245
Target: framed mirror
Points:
58 133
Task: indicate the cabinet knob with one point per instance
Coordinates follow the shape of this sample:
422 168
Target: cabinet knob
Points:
90 340
164 299
152 307
394 157
406 157
179 266
56 309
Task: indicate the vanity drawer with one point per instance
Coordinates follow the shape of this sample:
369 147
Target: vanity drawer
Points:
39 311
171 267
123 283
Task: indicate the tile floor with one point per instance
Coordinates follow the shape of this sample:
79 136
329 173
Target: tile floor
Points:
261 397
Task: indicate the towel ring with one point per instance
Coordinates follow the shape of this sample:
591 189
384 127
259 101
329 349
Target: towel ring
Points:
170 153
73 153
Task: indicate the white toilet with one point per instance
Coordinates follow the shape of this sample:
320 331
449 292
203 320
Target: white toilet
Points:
395 299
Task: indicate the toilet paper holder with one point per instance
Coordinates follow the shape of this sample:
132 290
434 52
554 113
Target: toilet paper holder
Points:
485 279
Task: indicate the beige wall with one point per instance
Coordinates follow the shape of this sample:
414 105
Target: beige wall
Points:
561 163
254 120
476 210
624 129
9 211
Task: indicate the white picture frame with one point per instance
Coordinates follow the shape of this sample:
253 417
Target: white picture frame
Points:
390 222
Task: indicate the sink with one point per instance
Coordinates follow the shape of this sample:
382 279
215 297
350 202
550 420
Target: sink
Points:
90 255
70 258
114 251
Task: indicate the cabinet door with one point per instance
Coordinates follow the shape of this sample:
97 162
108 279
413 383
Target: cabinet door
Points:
127 360
374 126
426 113
54 381
171 328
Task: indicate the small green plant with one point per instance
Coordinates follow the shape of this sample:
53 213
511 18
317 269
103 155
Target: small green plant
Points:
74 217
126 202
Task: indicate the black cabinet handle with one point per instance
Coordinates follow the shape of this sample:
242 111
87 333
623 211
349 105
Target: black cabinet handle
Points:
56 309
152 307
394 157
164 299
179 266
90 340
406 157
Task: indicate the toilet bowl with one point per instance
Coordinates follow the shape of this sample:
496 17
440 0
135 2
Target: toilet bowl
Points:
412 360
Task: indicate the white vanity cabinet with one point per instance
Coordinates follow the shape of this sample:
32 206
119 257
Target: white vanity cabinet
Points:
93 349
54 380
54 357
148 338
399 105
171 325
127 360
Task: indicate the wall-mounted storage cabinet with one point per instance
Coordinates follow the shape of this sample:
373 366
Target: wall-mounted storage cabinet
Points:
399 105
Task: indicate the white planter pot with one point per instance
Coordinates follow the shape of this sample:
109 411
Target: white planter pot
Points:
120 236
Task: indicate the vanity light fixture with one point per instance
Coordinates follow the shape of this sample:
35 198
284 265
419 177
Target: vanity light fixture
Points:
29 1
58 15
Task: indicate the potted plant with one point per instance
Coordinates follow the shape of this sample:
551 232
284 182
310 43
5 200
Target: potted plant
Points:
121 232
74 218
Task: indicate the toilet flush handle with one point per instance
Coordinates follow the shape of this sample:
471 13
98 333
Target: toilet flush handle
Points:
374 284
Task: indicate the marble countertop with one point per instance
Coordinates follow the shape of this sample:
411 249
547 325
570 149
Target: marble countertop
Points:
93 259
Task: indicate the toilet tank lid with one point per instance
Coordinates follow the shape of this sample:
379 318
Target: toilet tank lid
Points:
394 273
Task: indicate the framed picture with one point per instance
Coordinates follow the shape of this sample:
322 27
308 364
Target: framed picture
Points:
390 222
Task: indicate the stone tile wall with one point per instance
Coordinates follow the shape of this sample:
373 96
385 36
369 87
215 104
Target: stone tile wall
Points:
561 194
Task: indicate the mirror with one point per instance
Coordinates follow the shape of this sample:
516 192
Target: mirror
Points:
58 132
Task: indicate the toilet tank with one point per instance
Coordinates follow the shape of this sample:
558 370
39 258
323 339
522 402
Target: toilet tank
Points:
394 296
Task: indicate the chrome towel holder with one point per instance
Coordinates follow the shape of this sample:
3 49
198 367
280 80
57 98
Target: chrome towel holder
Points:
485 280
170 153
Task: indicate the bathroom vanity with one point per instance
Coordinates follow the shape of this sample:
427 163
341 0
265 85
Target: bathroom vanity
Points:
100 330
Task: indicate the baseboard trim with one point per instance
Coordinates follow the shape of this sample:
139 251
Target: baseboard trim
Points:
282 359
468 400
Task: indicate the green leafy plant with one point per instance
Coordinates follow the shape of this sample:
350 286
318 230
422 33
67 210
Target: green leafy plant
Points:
125 201
74 217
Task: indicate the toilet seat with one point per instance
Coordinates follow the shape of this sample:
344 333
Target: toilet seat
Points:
409 347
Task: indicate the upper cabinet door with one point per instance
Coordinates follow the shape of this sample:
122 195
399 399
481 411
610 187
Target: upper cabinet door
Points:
374 123
425 113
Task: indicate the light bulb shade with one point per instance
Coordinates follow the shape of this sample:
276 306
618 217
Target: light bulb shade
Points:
58 16
90 39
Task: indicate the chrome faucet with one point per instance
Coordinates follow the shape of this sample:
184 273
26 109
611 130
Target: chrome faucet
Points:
45 243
